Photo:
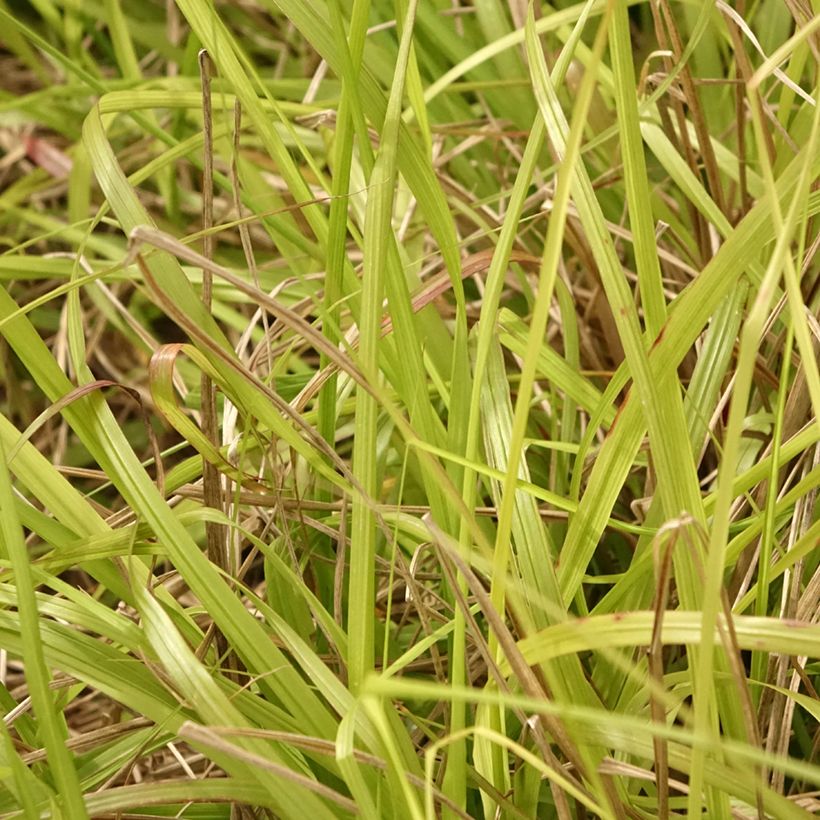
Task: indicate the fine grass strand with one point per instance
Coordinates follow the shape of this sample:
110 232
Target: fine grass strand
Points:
50 719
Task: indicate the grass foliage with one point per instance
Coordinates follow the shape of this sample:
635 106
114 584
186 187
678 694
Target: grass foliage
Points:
410 409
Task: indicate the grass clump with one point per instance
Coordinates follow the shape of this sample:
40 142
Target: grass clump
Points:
410 409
